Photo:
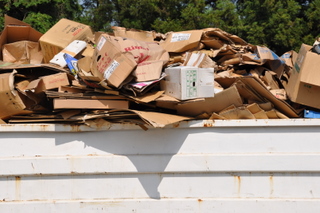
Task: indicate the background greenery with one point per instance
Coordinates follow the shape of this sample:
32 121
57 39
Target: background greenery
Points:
280 25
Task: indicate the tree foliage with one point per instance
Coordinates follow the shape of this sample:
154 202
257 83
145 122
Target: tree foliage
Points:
41 14
280 25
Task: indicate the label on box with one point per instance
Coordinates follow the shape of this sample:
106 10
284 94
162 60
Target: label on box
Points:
191 81
111 68
101 43
180 37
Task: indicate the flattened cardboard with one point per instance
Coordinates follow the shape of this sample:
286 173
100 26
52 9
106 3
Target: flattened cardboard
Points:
237 113
280 105
148 97
61 35
270 79
221 100
167 102
215 38
182 41
198 59
257 111
264 56
16 30
60 103
49 82
304 83
139 35
157 119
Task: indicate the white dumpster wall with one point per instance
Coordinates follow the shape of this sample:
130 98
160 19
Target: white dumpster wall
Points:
238 166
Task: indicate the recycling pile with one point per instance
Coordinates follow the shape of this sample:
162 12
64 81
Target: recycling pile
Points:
73 75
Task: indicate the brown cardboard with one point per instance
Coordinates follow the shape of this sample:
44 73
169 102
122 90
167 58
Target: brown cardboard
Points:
16 30
149 56
139 35
60 103
49 82
198 59
167 102
157 119
151 96
270 79
257 111
61 35
110 64
215 38
10 101
304 82
148 71
237 113
182 41
22 52
221 100
262 91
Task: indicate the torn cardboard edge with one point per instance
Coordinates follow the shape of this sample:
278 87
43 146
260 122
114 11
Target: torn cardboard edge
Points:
157 119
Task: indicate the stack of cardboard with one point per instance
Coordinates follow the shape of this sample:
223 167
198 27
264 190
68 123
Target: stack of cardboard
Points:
73 75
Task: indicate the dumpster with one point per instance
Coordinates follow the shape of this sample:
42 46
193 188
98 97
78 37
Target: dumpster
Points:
192 166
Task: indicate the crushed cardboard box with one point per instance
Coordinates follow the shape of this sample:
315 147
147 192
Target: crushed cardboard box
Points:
304 82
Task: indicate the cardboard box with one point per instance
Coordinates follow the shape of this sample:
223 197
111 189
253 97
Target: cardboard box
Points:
16 30
48 82
220 101
149 56
60 103
110 64
182 41
22 52
11 103
184 82
61 35
304 83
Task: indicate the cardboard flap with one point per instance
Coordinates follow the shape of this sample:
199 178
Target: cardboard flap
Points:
8 20
134 34
182 41
152 96
221 100
248 93
157 119
312 69
281 105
